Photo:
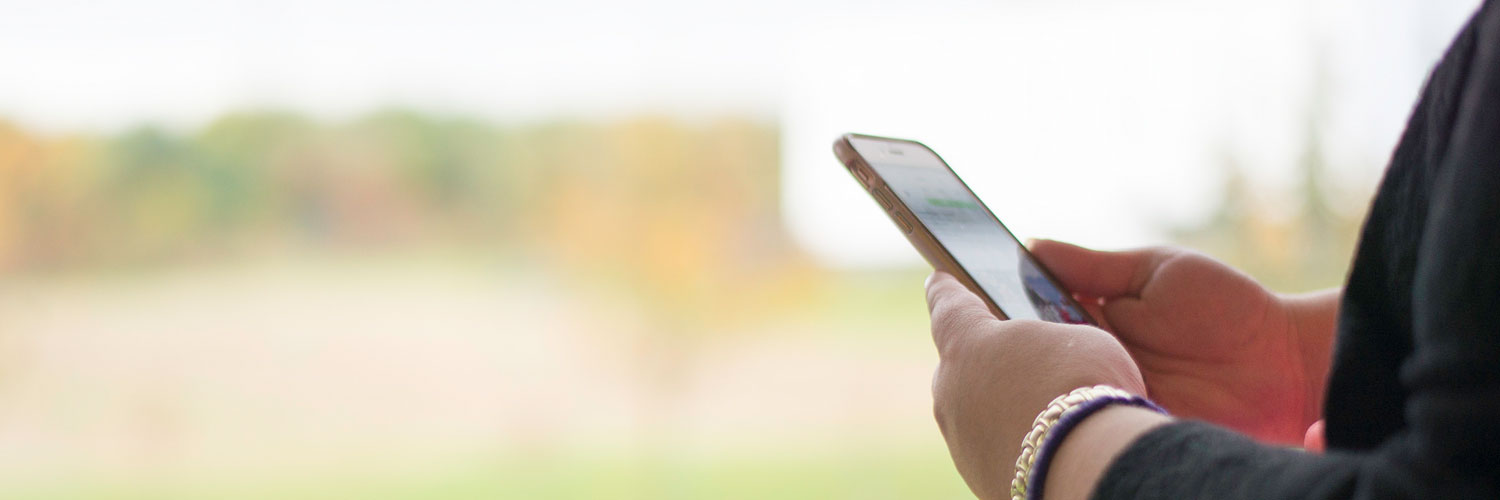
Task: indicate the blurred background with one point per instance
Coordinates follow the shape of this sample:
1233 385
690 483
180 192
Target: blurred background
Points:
583 249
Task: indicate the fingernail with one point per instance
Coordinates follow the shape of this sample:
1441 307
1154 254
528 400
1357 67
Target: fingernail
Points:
928 281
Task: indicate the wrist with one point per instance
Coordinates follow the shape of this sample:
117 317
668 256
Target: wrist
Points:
1086 453
1314 318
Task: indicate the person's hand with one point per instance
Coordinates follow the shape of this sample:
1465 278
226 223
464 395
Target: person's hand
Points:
994 377
1211 343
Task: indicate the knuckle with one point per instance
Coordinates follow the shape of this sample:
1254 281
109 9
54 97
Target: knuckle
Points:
940 398
940 417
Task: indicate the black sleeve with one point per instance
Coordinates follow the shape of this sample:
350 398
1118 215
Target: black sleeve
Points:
1188 460
1449 446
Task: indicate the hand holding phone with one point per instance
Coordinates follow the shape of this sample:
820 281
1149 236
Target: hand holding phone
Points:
994 376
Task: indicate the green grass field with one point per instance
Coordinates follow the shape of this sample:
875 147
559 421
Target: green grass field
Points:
870 474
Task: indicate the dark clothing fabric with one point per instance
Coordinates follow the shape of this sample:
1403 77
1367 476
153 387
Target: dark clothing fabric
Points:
1413 406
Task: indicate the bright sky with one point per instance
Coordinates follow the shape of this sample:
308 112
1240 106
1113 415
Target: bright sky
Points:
1091 120
1101 124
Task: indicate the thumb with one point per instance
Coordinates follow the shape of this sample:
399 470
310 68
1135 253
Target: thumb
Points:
956 311
1314 440
1096 273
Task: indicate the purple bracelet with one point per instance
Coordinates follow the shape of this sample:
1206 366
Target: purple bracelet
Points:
1064 425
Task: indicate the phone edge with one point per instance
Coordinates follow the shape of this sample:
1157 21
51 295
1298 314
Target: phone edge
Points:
920 237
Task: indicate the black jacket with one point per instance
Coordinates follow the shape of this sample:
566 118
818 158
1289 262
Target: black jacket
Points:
1413 404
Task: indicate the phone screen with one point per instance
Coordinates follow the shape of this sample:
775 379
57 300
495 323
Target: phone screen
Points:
972 236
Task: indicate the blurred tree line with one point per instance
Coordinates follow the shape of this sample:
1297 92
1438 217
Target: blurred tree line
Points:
149 195
642 190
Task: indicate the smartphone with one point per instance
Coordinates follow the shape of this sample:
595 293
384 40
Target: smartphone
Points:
955 231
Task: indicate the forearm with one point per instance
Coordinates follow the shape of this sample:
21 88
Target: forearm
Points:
1090 448
1315 319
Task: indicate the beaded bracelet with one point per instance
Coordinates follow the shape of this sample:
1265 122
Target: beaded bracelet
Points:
1053 424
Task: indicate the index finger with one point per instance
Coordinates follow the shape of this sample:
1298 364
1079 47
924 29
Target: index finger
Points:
956 311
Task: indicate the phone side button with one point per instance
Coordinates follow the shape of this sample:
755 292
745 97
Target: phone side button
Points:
885 200
906 226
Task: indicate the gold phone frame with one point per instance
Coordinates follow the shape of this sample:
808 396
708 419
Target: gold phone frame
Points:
920 237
